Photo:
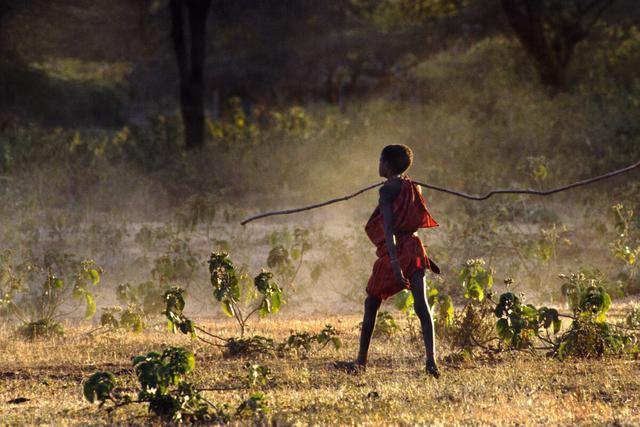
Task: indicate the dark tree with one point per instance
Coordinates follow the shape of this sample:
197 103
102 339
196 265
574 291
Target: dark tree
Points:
549 31
189 28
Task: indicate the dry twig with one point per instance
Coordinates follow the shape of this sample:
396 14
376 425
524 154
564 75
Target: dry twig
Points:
455 193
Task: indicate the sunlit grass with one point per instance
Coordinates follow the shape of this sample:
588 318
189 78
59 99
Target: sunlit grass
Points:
103 74
505 390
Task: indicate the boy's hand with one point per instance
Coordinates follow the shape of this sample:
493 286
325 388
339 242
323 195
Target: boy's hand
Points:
400 278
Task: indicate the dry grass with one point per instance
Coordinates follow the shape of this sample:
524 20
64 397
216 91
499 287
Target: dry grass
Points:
512 389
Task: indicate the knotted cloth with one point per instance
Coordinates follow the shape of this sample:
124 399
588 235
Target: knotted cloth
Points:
409 214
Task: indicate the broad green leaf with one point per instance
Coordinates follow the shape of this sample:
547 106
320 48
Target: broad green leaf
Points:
446 309
138 359
432 296
562 350
171 327
337 343
530 312
95 276
265 307
190 360
99 386
275 301
474 291
463 275
401 300
502 326
91 306
227 307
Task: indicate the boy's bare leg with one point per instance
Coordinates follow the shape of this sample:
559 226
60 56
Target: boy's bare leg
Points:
371 306
421 307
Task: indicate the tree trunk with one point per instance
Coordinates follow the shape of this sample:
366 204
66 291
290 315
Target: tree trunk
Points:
550 41
528 26
189 21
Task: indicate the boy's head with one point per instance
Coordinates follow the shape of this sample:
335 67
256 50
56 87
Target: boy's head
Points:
395 159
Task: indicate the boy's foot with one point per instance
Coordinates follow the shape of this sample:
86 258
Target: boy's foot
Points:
432 369
352 368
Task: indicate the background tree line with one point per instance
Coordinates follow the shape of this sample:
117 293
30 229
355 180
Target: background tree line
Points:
112 62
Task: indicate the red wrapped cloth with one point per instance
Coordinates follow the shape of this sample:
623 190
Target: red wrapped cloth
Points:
409 213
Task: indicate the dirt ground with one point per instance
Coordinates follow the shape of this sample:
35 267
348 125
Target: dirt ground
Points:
509 389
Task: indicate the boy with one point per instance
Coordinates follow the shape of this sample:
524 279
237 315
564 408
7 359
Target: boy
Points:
402 260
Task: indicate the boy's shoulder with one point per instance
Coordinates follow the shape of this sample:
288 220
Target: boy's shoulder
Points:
390 190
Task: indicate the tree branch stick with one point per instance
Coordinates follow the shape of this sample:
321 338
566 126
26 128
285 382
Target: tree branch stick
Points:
455 193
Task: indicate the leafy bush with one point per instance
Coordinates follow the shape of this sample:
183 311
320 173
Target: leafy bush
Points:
518 323
286 254
161 386
300 343
471 326
44 328
303 343
36 293
633 319
386 325
130 318
587 338
148 296
256 406
590 335
229 287
257 374
178 264
586 295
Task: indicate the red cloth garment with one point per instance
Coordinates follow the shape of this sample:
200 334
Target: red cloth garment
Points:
409 213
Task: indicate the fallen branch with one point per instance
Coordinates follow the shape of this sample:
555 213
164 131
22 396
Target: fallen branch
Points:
455 193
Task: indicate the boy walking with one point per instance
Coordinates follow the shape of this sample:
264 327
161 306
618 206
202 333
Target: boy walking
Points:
402 260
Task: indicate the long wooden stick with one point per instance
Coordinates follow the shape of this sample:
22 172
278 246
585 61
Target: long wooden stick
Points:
455 193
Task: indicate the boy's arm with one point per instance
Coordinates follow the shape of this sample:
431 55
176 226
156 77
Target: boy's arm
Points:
387 214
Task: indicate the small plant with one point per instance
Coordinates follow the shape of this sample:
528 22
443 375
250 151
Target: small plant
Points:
99 387
475 279
626 246
303 343
299 342
148 296
36 293
586 295
44 328
286 254
257 374
249 346
198 210
441 306
177 321
590 335
129 318
386 325
178 264
229 287
633 319
162 386
518 323
174 308
256 406
472 326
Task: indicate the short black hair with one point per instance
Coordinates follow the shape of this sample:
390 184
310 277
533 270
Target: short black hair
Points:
398 156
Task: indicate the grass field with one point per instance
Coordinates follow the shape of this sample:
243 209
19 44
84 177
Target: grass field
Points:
507 389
